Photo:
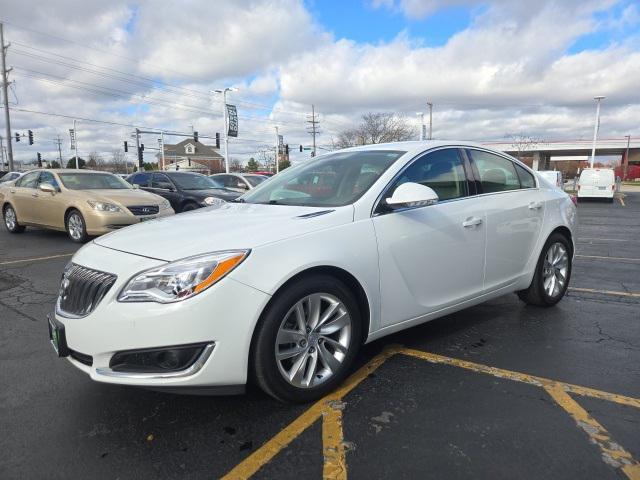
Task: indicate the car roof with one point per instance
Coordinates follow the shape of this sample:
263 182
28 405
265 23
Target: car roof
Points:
415 146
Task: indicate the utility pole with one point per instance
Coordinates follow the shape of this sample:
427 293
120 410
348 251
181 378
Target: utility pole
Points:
596 127
277 150
430 120
1 154
162 148
75 142
138 149
626 158
5 95
58 142
421 115
313 125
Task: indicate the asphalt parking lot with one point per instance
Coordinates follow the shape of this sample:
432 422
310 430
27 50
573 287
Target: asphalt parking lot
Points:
496 391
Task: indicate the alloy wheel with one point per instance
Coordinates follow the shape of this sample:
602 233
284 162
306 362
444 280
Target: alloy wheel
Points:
10 218
555 269
76 226
313 340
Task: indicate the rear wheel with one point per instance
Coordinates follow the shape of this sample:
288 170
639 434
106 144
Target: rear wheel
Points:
11 220
76 227
552 274
307 340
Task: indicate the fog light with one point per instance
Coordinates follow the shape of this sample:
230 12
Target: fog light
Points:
157 360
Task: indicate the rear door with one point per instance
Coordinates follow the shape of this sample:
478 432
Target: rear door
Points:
430 257
25 194
515 212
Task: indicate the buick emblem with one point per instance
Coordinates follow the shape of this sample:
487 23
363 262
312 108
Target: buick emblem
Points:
146 210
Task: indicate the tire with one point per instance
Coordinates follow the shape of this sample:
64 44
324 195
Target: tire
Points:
610 200
76 227
546 296
11 220
323 366
189 206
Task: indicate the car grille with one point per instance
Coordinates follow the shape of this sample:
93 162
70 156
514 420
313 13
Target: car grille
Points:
82 289
144 209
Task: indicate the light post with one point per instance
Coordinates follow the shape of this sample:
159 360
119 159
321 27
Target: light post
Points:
75 142
421 115
226 123
596 127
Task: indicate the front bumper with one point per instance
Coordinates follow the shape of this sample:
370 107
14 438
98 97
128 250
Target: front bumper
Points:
225 315
98 223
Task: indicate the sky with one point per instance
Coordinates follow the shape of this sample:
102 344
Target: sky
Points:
492 69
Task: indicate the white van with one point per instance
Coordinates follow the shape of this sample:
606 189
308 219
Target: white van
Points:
597 183
553 177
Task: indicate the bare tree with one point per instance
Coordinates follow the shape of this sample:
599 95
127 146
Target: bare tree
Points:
376 127
118 162
523 143
95 161
235 165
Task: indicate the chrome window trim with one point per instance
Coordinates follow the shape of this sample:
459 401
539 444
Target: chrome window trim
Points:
194 368
512 159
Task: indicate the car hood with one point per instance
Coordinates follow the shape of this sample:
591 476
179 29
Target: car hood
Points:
123 197
231 226
214 192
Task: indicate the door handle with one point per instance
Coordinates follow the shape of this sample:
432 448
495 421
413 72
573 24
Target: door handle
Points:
471 222
535 205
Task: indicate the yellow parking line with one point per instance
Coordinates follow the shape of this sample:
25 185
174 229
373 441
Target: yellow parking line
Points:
250 465
330 408
605 292
335 466
613 453
609 258
36 259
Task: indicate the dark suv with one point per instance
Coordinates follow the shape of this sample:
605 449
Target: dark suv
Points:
184 190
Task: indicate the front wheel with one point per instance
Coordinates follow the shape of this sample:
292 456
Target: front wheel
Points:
306 342
76 227
11 220
189 206
553 271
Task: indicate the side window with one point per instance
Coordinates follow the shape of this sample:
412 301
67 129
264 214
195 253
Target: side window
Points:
441 170
30 180
526 179
497 174
161 181
47 177
141 179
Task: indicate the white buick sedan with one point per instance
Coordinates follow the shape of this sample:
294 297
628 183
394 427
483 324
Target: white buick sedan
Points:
282 286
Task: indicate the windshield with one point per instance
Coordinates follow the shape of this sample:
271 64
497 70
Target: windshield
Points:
254 180
328 181
194 181
93 181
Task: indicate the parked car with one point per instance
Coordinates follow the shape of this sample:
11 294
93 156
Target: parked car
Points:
185 190
265 173
285 285
81 202
239 182
597 183
10 177
554 177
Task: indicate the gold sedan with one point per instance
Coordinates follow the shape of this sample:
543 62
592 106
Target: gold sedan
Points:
81 202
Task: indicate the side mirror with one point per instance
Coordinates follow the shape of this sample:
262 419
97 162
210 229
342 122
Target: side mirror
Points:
242 185
135 186
412 195
47 187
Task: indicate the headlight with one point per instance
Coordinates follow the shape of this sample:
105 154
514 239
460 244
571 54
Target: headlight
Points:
181 279
164 205
213 201
103 206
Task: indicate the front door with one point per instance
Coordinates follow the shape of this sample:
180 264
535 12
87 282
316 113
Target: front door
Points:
430 257
50 206
162 185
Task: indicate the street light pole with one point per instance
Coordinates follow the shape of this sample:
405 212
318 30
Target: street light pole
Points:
421 115
162 147
225 114
75 142
277 150
430 120
626 159
596 127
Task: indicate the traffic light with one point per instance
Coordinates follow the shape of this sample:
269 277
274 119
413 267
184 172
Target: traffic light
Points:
140 161
17 137
195 136
286 149
300 148
218 141
30 137
39 159
126 146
